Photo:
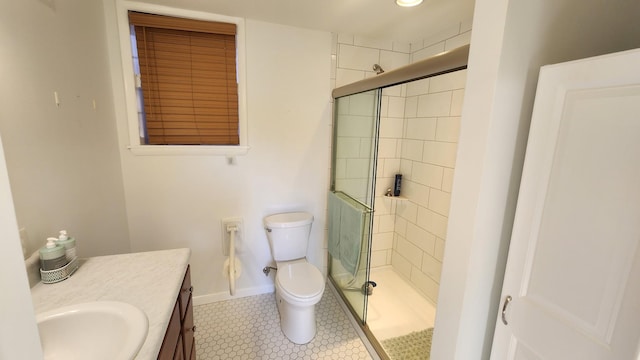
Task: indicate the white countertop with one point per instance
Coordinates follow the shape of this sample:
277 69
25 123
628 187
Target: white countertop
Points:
149 280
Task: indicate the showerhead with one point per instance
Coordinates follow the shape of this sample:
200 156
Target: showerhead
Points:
378 69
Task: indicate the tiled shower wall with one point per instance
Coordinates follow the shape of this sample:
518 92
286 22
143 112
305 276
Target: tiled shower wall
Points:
418 137
431 126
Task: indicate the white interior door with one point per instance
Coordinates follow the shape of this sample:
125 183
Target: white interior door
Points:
573 273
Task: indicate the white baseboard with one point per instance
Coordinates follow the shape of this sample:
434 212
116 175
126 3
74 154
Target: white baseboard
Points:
221 296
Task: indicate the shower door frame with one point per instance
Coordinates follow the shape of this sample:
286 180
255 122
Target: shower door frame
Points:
446 62
370 201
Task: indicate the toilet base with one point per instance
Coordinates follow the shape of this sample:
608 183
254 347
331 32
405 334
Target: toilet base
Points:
298 323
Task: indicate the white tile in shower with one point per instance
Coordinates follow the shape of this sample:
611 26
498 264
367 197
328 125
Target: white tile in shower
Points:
396 107
249 328
442 35
451 81
386 224
384 206
432 105
432 222
357 168
365 147
466 25
348 76
391 167
421 128
457 99
447 180
379 258
348 147
426 284
427 174
406 168
418 193
439 201
431 267
362 105
391 127
440 153
400 263
357 57
439 251
421 238
352 125
408 210
345 39
334 65
384 105
418 87
372 43
411 107
399 148
387 148
341 168
380 169
334 44
427 52
409 251
393 60
412 149
401 226
457 41
402 47
448 128
357 188
382 241
382 185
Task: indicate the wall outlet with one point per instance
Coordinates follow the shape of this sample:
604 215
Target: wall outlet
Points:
226 235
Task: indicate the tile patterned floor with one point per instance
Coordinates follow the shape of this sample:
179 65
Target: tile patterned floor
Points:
249 328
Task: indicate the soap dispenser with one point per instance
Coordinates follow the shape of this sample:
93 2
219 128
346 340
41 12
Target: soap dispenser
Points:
68 243
52 255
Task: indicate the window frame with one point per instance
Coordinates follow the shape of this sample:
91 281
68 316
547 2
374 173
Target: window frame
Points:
122 9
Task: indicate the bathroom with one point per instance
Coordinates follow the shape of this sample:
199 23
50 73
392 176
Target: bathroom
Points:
112 200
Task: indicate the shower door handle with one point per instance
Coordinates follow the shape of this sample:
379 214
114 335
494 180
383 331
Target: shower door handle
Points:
507 301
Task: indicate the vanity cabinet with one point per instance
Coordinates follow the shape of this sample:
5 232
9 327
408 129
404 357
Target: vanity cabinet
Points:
179 342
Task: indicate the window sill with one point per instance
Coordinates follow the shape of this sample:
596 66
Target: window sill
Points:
187 150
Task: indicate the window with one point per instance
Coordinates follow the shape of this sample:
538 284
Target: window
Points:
187 77
184 80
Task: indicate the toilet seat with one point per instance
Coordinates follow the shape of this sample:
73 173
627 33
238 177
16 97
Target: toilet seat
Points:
300 281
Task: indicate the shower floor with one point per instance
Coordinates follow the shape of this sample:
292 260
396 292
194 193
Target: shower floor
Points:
396 308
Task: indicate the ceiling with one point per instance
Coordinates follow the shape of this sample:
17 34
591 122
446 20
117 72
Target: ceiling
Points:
376 19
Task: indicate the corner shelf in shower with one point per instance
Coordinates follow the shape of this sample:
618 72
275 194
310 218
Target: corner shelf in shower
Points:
398 198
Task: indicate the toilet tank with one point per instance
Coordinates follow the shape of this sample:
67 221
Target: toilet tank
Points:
288 234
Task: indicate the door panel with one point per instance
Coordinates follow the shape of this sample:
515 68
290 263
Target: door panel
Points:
574 257
355 146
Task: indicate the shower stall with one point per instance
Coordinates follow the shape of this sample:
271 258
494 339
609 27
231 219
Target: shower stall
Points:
385 252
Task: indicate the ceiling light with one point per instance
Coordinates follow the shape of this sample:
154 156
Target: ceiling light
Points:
408 3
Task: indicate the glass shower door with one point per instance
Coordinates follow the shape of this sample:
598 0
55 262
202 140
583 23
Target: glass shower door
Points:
355 142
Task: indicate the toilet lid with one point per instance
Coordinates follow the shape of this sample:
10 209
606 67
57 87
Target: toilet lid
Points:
301 280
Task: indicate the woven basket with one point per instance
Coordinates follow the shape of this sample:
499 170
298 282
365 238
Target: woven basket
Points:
57 275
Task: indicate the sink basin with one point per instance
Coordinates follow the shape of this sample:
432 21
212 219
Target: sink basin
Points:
106 330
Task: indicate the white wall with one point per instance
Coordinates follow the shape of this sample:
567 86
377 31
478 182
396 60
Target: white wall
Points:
18 332
63 162
510 41
179 201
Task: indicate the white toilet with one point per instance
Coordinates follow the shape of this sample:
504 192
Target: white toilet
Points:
299 285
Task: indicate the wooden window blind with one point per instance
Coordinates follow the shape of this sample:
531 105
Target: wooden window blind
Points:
188 77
